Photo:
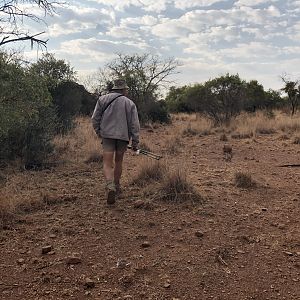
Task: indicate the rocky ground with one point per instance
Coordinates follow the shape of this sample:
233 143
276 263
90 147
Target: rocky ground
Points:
235 244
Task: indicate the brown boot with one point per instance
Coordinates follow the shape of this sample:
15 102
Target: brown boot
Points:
111 193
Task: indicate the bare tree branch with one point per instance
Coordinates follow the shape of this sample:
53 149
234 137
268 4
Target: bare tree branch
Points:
13 13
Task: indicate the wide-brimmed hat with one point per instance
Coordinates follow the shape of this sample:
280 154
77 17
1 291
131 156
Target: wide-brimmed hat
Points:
120 84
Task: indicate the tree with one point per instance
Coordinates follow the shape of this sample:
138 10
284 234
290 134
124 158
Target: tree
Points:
53 70
145 75
292 88
27 115
12 15
224 98
71 99
255 96
176 99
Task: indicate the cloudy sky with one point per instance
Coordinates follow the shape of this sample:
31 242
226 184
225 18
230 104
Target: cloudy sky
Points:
259 39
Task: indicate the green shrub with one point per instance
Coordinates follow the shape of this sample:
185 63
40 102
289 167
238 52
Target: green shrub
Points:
27 115
155 111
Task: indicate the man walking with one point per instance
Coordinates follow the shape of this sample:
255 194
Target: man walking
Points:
115 120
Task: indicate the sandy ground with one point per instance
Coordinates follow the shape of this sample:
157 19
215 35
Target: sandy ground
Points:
236 244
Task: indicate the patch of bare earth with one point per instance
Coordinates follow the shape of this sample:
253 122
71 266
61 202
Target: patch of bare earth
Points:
236 243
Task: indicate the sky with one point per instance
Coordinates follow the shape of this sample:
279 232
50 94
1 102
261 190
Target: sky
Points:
258 39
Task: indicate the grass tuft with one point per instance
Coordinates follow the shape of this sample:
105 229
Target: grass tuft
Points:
149 172
243 180
176 188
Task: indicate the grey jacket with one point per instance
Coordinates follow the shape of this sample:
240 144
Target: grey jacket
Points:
119 121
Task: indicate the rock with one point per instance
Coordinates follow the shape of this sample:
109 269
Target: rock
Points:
281 226
138 204
89 283
122 264
199 234
21 261
167 285
146 244
46 249
288 253
73 260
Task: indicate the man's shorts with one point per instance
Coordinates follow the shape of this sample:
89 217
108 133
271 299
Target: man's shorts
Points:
112 145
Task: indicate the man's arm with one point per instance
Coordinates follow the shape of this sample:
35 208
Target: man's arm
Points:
96 118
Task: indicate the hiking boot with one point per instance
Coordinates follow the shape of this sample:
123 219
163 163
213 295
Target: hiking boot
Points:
111 193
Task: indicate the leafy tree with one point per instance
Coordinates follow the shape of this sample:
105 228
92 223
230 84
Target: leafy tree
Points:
176 99
273 99
255 96
53 70
12 15
145 75
71 99
27 116
292 88
224 97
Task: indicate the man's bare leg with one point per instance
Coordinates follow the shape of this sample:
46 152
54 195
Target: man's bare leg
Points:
108 170
118 168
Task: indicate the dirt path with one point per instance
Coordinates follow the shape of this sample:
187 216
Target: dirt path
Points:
238 244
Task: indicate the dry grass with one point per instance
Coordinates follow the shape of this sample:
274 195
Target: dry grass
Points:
250 125
201 126
183 117
144 146
80 145
149 172
176 188
244 180
223 137
173 145
7 208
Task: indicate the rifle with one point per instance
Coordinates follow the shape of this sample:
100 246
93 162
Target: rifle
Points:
147 153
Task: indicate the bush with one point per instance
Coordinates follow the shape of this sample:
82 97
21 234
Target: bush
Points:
155 111
243 180
27 117
150 172
176 188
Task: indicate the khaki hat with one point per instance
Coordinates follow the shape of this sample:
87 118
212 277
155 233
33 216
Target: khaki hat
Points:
120 84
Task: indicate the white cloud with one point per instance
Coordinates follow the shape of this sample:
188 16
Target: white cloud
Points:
255 38
253 2
183 4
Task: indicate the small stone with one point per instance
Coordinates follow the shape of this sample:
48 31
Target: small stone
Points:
199 234
20 261
281 226
46 249
89 283
52 236
167 285
73 260
288 253
146 244
138 204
